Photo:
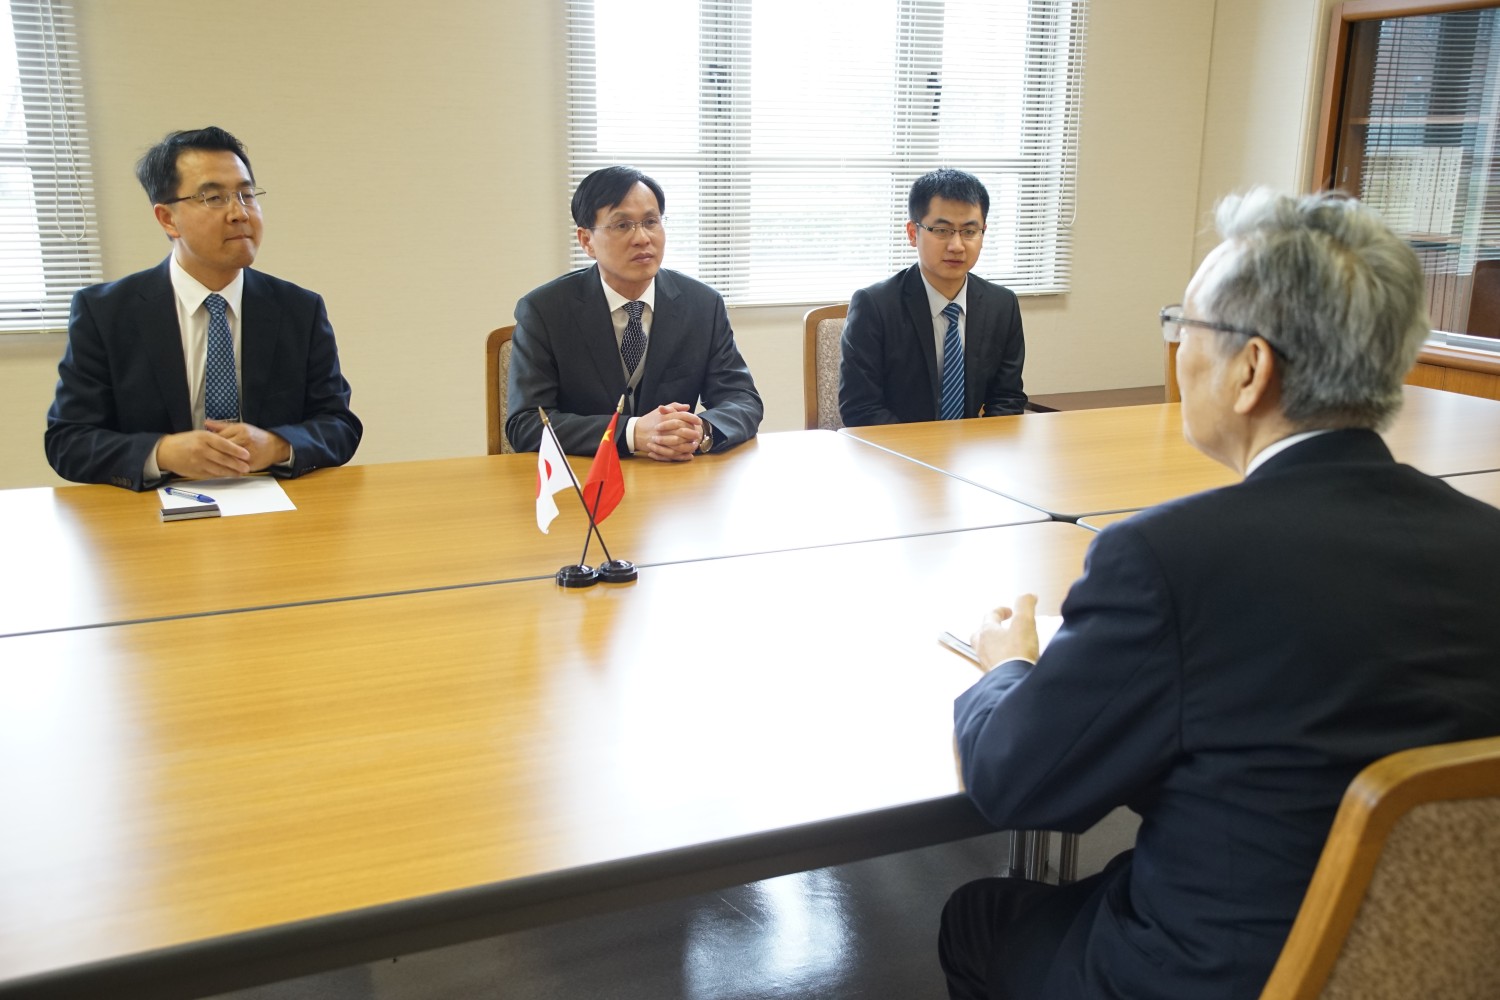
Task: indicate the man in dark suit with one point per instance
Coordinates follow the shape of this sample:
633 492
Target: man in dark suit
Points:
199 367
1229 661
627 327
934 342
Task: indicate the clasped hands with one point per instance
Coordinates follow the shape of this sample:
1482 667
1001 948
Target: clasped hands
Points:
669 433
1007 634
222 449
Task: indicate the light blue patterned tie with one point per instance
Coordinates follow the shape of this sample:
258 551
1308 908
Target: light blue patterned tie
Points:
953 366
221 395
633 344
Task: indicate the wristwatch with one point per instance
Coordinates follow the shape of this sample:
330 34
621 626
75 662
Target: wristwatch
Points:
706 442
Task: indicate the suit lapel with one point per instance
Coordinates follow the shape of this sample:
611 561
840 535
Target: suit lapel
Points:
976 318
666 334
918 312
261 320
594 332
153 324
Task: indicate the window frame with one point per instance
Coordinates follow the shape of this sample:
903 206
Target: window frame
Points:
56 156
1041 246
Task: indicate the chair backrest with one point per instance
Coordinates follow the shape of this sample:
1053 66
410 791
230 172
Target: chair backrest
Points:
1405 901
820 366
1169 356
497 388
1484 299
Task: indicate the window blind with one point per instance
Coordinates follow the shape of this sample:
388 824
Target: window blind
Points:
1420 137
49 244
786 134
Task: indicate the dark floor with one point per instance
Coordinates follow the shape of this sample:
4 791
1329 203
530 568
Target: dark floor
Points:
863 930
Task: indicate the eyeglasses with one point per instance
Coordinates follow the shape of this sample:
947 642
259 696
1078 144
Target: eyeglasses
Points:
626 227
219 200
945 233
1172 322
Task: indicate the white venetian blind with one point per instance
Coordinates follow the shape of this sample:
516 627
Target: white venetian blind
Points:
49 245
786 134
1419 143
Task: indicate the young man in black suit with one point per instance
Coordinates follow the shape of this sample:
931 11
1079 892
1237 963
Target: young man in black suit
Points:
934 342
627 326
1229 661
199 367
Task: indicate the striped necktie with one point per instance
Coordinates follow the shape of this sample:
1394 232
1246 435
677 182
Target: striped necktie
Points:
953 366
221 395
633 344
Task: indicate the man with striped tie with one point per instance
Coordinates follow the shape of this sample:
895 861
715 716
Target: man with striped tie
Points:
199 367
628 327
934 342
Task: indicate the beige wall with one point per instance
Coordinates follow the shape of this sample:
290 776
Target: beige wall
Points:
1263 89
414 159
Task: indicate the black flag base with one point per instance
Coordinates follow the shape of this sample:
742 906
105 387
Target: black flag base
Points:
577 576
617 571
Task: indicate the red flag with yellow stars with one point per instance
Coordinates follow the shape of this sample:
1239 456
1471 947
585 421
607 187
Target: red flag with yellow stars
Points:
604 487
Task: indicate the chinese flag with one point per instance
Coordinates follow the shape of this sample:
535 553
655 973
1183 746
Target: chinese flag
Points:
605 485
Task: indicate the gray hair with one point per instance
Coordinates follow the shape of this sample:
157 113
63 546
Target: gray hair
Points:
1324 279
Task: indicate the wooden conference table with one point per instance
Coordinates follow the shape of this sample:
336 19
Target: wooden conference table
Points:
95 555
389 729
1081 462
1484 485
240 750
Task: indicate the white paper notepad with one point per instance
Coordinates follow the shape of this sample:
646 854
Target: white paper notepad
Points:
248 495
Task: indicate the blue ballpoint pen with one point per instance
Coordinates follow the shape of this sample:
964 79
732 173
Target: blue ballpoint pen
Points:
191 496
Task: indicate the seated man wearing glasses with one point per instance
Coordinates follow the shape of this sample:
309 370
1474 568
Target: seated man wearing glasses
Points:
1230 660
199 367
934 342
627 327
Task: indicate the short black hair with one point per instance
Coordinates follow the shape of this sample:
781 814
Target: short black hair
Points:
945 182
606 188
157 169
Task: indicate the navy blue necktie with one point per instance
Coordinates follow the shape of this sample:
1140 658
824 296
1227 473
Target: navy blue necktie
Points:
953 366
221 394
633 344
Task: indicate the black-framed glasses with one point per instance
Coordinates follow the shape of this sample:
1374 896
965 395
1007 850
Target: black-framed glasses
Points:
1172 322
945 233
625 227
219 200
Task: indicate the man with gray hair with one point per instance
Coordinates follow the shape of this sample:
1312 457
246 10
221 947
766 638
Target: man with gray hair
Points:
1229 661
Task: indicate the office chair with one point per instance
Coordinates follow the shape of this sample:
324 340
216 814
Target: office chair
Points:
1405 901
497 388
1484 299
820 366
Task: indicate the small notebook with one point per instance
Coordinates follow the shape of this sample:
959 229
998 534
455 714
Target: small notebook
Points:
183 509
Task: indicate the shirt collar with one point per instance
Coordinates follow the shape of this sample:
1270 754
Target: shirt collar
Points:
936 303
617 301
1275 448
191 292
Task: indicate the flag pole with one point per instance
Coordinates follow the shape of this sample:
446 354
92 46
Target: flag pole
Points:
581 575
589 511
612 570
594 525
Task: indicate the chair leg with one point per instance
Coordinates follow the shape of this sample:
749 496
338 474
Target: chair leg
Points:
1016 868
1036 855
1028 856
1067 859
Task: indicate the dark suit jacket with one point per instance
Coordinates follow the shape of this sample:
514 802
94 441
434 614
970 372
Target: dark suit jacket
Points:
1227 663
122 383
565 359
889 373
